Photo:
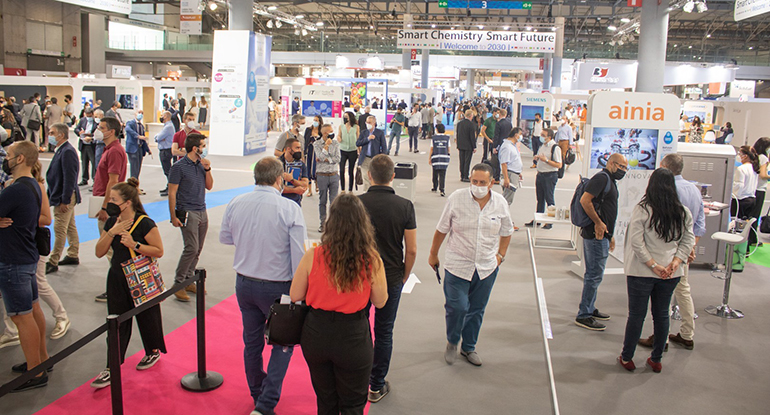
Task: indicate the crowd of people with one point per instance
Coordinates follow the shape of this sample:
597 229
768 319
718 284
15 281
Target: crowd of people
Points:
368 242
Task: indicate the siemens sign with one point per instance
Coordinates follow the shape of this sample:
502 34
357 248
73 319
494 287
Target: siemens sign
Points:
478 40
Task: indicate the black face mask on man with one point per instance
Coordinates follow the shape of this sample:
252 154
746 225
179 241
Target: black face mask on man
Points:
297 155
7 169
619 174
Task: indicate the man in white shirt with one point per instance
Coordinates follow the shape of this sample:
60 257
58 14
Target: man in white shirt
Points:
510 165
683 130
479 226
548 162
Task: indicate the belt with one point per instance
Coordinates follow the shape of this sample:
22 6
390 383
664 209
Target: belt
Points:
326 174
335 315
261 280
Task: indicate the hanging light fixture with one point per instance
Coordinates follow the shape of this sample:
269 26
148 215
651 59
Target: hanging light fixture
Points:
612 28
269 24
212 6
278 24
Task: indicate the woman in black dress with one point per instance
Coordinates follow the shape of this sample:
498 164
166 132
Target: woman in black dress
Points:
312 133
129 228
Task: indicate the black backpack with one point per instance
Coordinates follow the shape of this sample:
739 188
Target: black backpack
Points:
561 169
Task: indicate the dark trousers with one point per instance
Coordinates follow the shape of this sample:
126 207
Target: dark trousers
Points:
486 145
88 157
743 208
413 136
439 177
536 143
495 166
545 186
150 321
135 163
338 351
426 130
756 213
165 161
350 158
465 163
384 320
642 290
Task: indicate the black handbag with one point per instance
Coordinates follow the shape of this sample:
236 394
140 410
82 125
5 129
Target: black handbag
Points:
764 224
285 322
43 234
33 124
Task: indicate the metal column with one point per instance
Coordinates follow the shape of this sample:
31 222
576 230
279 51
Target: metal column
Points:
470 90
425 63
653 34
557 56
240 15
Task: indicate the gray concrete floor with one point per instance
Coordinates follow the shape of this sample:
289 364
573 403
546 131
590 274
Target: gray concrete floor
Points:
727 371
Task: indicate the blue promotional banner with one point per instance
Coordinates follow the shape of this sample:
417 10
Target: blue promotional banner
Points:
257 89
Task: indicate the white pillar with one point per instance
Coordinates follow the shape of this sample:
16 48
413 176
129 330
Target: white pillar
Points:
425 68
470 90
547 71
653 34
240 15
558 54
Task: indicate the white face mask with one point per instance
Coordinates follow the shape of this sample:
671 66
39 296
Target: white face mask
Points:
479 192
98 135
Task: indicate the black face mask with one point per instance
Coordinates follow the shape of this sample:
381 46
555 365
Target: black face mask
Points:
330 136
113 209
619 174
297 156
7 167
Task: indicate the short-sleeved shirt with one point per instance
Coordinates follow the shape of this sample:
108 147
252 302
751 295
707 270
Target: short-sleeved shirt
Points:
491 124
17 202
399 118
298 169
510 155
181 136
606 204
554 155
391 215
120 252
191 178
281 143
113 161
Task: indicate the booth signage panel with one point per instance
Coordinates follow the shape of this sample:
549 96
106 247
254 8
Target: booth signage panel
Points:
745 9
322 100
190 17
286 104
476 40
738 88
115 6
257 91
532 104
120 71
641 126
703 109
594 75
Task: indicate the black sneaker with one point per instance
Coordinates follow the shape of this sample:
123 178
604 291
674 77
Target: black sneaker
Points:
67 260
547 226
83 183
33 383
50 268
102 381
22 367
598 315
376 396
101 298
443 194
148 361
530 224
589 323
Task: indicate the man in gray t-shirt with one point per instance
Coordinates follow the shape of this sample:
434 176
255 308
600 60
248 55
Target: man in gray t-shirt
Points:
297 122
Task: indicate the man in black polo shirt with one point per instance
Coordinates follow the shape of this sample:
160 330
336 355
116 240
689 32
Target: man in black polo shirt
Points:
295 181
188 180
395 225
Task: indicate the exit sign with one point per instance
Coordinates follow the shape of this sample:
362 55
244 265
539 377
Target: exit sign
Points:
499 5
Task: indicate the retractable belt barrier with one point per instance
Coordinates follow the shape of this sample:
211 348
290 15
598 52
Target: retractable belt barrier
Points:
199 381
545 324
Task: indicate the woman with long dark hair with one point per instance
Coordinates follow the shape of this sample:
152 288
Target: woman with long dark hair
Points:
696 130
129 228
338 280
349 132
658 241
745 183
312 133
761 149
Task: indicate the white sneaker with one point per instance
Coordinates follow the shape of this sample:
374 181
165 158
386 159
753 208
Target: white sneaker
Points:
7 340
60 329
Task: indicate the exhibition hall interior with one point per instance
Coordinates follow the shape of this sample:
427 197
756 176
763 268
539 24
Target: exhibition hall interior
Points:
303 207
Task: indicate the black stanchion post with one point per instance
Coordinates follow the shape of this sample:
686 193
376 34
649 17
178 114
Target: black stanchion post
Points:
202 380
113 349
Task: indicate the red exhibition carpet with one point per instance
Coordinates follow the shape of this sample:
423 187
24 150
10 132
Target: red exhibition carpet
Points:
158 391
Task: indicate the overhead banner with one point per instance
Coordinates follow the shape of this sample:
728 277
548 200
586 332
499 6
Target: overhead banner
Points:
745 9
115 6
479 40
593 75
190 17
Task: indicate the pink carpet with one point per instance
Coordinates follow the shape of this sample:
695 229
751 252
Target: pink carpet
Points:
158 388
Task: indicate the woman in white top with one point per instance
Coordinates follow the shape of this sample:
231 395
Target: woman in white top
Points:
414 125
194 110
745 183
761 148
658 243
203 113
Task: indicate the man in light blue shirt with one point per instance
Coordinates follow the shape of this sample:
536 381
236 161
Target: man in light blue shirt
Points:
691 198
165 139
269 235
510 164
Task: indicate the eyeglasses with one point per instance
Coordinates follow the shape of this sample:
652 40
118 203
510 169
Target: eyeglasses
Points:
623 167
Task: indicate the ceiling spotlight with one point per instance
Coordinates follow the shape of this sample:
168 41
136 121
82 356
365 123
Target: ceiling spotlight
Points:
612 28
304 32
409 25
675 45
223 26
272 8
751 47
529 27
453 28
689 47
625 20
269 24
702 6
708 35
506 27
299 16
553 29
278 24
481 26
433 26
319 24
212 6
296 32
598 19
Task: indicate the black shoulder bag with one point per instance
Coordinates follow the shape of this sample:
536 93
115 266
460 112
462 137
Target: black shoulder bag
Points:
285 322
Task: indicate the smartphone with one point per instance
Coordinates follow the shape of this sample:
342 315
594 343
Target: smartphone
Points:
438 275
182 216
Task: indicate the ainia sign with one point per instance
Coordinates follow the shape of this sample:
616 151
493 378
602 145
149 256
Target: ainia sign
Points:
478 40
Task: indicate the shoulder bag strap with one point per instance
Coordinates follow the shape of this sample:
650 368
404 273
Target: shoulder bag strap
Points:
136 223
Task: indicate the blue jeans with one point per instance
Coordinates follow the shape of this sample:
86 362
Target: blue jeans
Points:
640 291
595 253
254 299
384 319
465 304
98 156
394 133
18 285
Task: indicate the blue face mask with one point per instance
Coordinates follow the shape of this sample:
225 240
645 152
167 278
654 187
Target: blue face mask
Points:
90 119
97 120
139 117
204 152
52 140
315 123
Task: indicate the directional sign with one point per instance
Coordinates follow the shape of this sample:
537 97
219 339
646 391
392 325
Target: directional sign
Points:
473 4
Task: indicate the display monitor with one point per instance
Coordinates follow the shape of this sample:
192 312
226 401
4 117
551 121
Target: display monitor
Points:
528 112
126 101
313 108
640 146
701 114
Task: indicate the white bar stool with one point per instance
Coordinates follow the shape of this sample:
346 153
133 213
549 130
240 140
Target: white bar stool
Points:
730 239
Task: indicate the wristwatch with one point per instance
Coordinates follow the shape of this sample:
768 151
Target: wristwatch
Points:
207 170
137 246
